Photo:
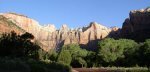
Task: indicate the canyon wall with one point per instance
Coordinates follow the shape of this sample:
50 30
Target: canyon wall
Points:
137 26
50 38
7 26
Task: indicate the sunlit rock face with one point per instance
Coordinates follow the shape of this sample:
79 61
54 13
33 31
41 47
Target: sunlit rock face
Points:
137 26
24 22
93 32
6 26
41 33
50 38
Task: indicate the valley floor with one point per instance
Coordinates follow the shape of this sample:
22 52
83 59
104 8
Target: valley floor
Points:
111 69
89 70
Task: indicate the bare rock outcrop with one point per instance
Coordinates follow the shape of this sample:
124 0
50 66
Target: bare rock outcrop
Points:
92 34
7 26
51 38
24 22
41 33
137 26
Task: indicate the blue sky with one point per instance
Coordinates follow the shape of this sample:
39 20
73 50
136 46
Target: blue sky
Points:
74 13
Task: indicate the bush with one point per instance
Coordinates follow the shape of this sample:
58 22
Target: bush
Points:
64 57
30 65
52 55
9 65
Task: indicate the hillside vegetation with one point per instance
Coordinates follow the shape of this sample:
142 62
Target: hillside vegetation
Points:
19 54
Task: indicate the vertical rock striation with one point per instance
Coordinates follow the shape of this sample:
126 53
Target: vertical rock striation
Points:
137 26
51 38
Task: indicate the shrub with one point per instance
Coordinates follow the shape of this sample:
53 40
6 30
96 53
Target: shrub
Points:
8 64
64 57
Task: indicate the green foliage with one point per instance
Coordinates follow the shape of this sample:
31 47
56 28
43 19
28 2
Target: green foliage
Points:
13 65
27 36
73 48
130 52
52 55
144 53
14 45
42 54
47 66
64 57
30 65
120 52
78 62
19 54
92 59
109 50
77 55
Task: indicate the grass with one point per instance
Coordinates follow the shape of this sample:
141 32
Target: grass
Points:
128 69
113 69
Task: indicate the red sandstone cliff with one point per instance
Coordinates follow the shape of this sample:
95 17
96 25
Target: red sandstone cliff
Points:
7 25
50 38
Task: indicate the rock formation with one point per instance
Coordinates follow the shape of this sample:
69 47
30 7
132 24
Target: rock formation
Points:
24 22
7 26
51 38
137 26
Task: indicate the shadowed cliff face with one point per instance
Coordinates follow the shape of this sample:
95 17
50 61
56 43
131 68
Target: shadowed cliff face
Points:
137 26
51 38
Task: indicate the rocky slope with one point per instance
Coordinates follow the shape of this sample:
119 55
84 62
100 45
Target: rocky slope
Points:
51 38
7 26
137 26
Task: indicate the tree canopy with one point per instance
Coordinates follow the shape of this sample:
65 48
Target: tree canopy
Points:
14 45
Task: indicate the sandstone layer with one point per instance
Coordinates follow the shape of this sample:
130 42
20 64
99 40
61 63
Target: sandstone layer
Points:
7 26
51 38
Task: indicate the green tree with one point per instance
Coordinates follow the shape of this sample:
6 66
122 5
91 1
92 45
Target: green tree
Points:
52 55
130 48
109 50
64 57
77 54
122 52
14 45
27 36
92 59
144 53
